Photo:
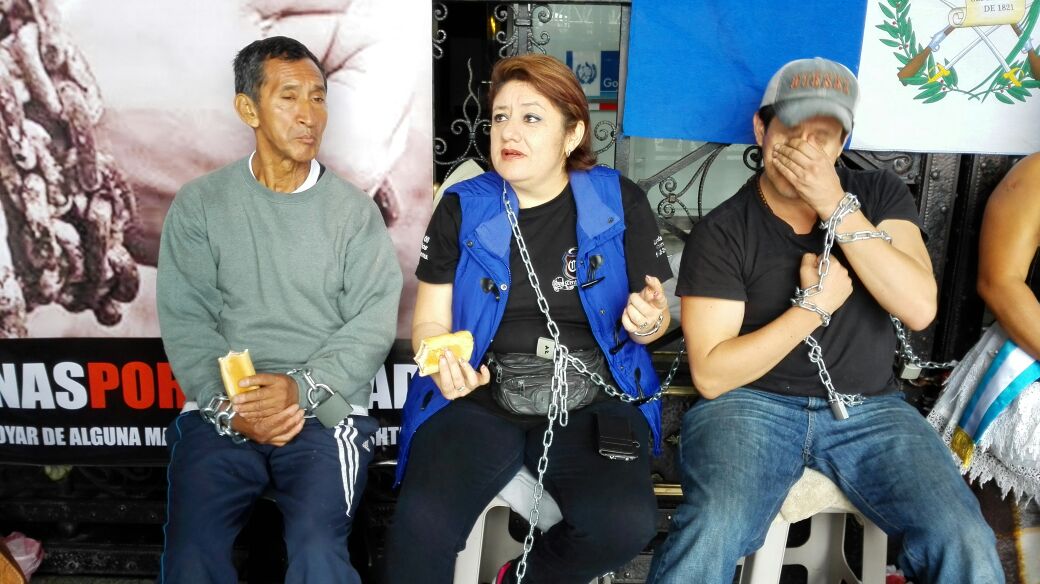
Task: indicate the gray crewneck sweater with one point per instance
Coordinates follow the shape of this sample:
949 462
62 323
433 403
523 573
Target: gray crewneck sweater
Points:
303 280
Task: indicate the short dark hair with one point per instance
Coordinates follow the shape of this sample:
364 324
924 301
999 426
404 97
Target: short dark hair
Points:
249 62
766 113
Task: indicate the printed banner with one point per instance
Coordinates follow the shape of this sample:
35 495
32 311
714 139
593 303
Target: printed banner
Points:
110 106
597 71
935 75
109 401
107 108
942 79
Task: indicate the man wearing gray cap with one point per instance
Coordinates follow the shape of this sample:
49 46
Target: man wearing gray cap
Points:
804 255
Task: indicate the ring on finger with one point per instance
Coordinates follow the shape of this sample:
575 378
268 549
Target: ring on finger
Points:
460 389
644 325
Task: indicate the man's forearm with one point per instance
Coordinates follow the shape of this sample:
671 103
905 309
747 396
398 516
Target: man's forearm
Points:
738 361
901 284
193 358
188 303
351 356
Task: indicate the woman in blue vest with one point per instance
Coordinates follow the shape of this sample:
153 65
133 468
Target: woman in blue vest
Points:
599 260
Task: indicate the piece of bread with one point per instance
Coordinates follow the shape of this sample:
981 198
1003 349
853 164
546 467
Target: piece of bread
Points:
233 367
428 358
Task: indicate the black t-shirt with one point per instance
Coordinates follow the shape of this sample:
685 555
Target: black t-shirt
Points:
742 251
550 231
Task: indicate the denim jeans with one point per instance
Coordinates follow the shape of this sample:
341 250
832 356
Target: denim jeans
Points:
741 453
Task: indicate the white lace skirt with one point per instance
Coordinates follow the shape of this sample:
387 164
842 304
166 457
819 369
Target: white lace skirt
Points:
1009 452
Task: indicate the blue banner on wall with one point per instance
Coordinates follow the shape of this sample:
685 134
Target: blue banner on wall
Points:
697 70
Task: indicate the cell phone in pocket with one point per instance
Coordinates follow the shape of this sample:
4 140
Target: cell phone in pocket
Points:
615 440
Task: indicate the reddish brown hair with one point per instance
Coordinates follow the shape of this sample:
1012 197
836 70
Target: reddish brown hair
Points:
551 78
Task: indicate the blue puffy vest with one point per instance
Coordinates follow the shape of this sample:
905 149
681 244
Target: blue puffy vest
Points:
482 285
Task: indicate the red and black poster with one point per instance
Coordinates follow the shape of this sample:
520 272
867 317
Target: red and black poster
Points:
109 401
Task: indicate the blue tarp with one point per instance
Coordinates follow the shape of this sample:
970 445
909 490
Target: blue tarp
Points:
697 68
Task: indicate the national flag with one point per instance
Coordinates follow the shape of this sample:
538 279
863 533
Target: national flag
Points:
935 75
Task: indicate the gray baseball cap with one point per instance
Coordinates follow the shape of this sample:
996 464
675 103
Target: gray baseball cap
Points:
805 88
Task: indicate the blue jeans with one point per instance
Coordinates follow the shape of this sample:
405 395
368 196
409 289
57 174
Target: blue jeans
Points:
317 480
741 453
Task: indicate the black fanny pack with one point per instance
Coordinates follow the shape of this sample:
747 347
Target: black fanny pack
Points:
522 382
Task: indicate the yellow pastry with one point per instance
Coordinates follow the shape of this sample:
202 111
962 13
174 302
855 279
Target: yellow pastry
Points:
428 358
235 366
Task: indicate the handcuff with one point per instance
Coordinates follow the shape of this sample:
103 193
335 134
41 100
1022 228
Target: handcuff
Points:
219 411
313 401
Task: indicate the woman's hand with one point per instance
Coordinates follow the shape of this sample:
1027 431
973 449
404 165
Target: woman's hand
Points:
457 377
646 316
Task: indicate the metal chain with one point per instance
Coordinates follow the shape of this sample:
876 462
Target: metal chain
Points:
675 367
906 352
849 204
543 306
559 387
68 208
803 303
219 413
324 391
862 235
558 403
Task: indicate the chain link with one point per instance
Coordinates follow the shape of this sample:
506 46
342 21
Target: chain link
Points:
862 236
825 317
816 356
69 210
323 391
848 205
558 403
559 387
906 352
219 413
675 367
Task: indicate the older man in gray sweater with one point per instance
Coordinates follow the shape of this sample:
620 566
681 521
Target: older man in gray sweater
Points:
277 255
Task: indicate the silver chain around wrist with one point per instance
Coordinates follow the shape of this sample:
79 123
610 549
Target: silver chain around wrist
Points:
219 412
317 393
848 205
854 236
905 351
825 317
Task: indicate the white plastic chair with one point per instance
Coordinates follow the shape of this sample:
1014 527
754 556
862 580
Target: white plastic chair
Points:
489 544
823 555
